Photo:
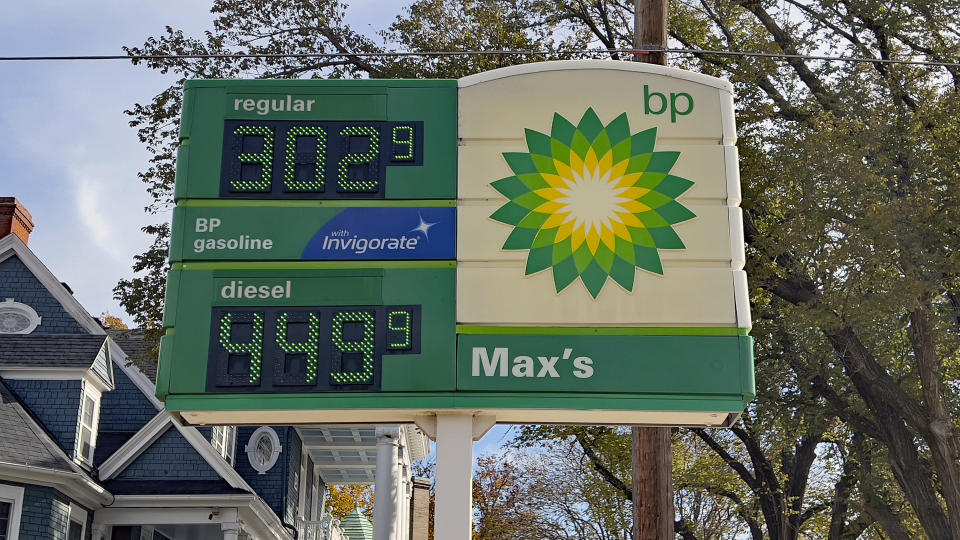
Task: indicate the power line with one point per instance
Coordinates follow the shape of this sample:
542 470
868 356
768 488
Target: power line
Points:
438 54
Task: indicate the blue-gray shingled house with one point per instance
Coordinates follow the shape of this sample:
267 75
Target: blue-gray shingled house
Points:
87 452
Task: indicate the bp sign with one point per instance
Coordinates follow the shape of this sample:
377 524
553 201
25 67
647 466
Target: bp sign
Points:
371 251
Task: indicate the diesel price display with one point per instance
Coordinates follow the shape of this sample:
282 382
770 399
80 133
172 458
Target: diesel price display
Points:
315 160
296 349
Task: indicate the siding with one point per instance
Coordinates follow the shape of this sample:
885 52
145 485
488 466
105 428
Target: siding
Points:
293 475
17 282
56 404
270 486
46 513
125 408
169 458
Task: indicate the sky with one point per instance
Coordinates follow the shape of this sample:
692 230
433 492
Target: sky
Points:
66 149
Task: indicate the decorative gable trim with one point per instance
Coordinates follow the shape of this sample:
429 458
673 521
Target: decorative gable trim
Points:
12 245
131 450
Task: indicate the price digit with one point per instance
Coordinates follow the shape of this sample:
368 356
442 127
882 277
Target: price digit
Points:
365 346
310 347
399 321
290 181
264 159
254 347
343 170
403 140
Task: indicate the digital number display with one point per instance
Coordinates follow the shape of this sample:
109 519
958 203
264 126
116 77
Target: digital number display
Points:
315 160
301 349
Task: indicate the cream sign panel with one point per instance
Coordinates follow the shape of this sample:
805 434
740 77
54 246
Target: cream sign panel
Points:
599 193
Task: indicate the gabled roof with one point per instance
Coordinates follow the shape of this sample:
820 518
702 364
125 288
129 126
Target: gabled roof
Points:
24 441
12 245
29 454
139 352
51 350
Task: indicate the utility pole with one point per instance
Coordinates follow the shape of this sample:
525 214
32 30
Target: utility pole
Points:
653 513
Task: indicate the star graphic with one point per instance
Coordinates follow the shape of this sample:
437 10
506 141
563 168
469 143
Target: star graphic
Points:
423 227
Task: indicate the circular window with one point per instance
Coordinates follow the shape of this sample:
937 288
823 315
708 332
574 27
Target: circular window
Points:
262 449
17 318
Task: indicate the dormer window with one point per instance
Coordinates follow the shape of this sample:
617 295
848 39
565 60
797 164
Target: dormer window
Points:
17 318
87 428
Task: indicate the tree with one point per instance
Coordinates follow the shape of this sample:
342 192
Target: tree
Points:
343 500
850 200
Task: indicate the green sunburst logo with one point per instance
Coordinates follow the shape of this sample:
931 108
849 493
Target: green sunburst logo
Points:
592 201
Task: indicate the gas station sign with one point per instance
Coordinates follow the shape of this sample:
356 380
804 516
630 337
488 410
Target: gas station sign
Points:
368 250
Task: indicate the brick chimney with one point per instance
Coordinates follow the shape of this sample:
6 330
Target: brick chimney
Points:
14 219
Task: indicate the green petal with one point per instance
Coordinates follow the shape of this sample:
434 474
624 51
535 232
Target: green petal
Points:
621 151
643 142
520 162
624 250
655 199
652 220
539 260
582 257
562 251
510 213
544 164
537 142
675 212
520 238
562 130
529 200
533 220
641 237
624 272
663 161
590 125
639 162
533 181
564 274
594 277
580 145
650 180
510 187
674 186
648 259
619 130
666 238
602 144
604 257
545 238
561 152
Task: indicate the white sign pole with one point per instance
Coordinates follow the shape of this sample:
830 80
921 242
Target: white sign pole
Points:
452 513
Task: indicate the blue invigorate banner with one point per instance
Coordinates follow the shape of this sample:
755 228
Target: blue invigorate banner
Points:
386 233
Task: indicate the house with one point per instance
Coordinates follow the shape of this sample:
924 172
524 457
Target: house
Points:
87 452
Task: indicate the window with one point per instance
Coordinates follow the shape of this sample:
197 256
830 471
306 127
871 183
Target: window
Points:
263 449
17 318
87 428
11 503
224 441
78 522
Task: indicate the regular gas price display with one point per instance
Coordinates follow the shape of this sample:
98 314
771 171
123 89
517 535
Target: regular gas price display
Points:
315 160
307 349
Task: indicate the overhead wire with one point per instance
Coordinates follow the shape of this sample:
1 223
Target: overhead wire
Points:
521 52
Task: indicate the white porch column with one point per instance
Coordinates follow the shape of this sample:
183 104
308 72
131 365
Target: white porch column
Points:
454 438
98 531
230 524
387 484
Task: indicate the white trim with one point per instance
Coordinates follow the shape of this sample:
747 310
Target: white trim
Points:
255 514
47 374
87 390
139 380
563 65
14 496
76 485
136 445
12 245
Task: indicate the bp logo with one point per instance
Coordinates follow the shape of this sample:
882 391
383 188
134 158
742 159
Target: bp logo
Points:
592 201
